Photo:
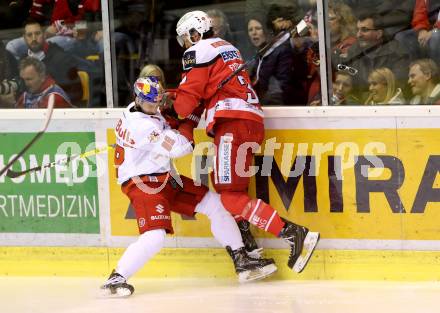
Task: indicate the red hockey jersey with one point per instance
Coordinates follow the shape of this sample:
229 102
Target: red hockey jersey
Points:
205 65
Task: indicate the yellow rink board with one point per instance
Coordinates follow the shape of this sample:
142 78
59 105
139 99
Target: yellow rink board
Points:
215 263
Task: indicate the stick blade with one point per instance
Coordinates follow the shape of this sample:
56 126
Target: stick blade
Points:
49 111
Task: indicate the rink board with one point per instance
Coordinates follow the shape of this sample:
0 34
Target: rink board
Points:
215 263
366 178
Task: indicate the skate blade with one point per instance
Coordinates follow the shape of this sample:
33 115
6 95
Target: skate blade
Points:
256 253
258 274
310 243
120 292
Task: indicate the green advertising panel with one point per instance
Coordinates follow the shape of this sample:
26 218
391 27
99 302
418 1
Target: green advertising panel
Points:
59 199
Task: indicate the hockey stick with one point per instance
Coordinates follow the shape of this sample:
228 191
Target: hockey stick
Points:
49 112
65 161
278 40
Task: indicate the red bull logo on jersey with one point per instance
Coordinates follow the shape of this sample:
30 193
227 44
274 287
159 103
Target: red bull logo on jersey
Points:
123 134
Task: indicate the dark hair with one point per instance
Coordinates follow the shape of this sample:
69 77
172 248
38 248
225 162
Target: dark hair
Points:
286 12
365 14
31 21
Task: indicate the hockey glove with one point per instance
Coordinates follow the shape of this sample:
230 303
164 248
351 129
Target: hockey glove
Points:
187 125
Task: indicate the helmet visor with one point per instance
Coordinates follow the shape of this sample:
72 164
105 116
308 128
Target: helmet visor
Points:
181 40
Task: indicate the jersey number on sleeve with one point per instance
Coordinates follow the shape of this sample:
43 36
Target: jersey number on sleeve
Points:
251 95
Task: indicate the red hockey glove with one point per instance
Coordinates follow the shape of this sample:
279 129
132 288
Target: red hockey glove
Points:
186 127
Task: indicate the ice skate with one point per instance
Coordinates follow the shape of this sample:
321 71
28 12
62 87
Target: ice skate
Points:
250 269
116 286
249 241
302 244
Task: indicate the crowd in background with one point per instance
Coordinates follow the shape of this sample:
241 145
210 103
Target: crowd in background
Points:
382 51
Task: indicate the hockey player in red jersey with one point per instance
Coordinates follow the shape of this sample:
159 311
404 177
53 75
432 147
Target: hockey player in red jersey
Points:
145 146
234 118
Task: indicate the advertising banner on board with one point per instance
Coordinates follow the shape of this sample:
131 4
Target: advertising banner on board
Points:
58 199
345 183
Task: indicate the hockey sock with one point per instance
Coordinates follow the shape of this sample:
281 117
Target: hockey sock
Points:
140 251
262 215
256 211
223 226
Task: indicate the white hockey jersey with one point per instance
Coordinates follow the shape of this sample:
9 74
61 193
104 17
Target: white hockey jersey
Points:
146 144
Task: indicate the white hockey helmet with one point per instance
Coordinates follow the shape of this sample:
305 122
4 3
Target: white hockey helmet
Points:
192 21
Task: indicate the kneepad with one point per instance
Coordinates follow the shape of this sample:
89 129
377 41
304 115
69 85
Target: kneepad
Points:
155 238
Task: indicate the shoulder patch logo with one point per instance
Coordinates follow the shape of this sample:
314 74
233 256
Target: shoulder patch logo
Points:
154 136
189 60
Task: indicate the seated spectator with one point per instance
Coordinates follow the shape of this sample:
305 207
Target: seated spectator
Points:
424 77
342 87
8 78
383 88
155 71
73 21
272 76
41 11
424 37
392 16
372 50
426 22
73 26
342 25
61 66
39 87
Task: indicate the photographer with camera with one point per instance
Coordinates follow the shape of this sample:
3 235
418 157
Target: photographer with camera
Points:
9 81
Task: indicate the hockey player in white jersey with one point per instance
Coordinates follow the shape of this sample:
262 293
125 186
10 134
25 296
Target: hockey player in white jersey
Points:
145 146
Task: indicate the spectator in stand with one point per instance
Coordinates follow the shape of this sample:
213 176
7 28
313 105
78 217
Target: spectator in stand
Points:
60 65
372 50
8 78
342 87
41 10
313 78
424 77
383 88
392 16
342 30
75 24
220 25
342 25
426 22
272 75
424 37
38 10
39 87
259 8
